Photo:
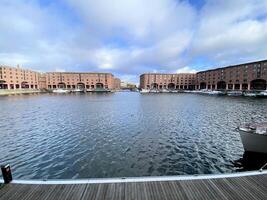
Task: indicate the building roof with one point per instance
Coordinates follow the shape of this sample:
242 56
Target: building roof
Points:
167 74
106 73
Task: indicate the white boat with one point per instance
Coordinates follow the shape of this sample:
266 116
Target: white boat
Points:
143 91
78 90
254 137
235 93
60 91
250 94
262 94
154 91
187 91
215 92
164 91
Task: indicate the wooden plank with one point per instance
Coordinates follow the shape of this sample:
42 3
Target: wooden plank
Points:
251 187
232 191
102 191
15 192
166 191
68 192
40 191
178 190
90 191
130 191
201 189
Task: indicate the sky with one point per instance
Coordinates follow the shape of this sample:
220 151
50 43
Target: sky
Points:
131 37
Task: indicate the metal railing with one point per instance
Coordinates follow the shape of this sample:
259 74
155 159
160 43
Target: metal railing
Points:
262 168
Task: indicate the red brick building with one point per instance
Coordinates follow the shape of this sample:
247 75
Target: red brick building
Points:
248 76
76 80
168 81
18 78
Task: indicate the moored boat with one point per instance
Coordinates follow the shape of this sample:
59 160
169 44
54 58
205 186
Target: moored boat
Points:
164 91
143 91
187 91
254 137
262 94
235 93
78 90
60 91
250 94
101 90
215 92
154 91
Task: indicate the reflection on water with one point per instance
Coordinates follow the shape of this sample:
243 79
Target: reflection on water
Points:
123 134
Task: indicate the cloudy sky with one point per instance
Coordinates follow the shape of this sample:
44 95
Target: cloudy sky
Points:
130 37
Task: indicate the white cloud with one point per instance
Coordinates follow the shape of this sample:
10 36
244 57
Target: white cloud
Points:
232 31
131 37
152 32
60 70
137 20
130 78
186 70
8 59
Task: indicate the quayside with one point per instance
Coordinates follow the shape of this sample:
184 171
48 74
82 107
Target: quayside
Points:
245 185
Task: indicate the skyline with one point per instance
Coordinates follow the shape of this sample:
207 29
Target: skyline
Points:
133 37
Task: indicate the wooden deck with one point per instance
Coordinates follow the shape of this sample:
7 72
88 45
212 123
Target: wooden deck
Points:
243 187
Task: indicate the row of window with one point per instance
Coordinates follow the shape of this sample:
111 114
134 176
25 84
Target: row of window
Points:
258 75
11 77
74 86
77 75
18 74
165 78
97 80
71 83
231 72
177 86
32 82
17 86
22 71
170 83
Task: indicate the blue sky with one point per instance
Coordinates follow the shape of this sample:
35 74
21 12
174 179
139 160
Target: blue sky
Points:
131 37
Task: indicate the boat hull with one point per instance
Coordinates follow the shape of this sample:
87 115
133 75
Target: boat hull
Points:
234 94
61 91
250 94
254 142
143 91
262 95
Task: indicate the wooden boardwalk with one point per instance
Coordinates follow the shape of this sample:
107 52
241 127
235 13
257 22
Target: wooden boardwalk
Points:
243 187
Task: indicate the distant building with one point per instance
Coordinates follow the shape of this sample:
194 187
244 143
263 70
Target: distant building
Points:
42 81
247 76
129 86
117 84
74 80
17 78
168 81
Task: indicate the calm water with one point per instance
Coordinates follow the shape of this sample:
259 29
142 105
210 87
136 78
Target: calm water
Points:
123 134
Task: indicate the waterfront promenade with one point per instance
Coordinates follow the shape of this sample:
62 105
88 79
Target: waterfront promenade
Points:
22 91
249 185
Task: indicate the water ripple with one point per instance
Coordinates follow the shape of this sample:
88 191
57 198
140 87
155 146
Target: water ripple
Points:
123 134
